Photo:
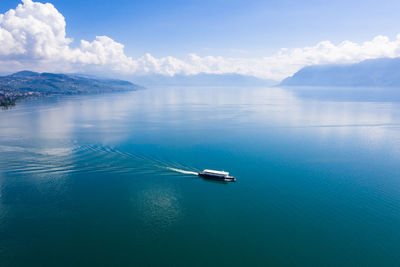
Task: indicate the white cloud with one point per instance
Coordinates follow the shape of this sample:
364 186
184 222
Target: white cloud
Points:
33 36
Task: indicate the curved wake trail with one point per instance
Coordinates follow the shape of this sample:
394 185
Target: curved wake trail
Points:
87 159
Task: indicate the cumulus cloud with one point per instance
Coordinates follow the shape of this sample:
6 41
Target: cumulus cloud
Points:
33 36
280 65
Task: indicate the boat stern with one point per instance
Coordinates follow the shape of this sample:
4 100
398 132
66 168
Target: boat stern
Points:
230 179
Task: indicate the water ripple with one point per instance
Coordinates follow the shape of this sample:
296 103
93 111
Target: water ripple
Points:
85 159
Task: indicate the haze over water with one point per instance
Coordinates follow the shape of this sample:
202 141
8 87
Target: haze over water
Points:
92 179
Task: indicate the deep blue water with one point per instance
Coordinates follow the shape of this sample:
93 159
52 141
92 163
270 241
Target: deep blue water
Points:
85 180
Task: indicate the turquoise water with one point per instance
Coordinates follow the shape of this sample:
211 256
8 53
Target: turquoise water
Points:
87 180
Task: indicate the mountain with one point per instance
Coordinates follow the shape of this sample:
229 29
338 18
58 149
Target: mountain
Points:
27 83
383 72
202 79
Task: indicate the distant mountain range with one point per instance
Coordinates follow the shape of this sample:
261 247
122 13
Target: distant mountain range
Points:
202 79
28 84
383 72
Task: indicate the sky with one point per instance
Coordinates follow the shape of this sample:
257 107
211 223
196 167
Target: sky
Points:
269 39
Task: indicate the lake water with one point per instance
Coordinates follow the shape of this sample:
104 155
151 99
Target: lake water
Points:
87 180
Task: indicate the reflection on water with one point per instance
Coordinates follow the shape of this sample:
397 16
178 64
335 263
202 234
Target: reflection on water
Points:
115 174
112 118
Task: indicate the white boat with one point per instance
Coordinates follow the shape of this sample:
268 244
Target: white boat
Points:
217 175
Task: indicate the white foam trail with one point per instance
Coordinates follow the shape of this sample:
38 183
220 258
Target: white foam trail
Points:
182 171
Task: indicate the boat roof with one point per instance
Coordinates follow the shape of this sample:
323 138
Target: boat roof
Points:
217 172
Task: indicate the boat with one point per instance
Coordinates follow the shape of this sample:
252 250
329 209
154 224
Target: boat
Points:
217 175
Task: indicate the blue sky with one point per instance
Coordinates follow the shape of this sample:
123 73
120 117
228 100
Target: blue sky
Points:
222 27
229 29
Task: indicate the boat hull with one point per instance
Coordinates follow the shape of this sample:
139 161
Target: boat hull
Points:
217 177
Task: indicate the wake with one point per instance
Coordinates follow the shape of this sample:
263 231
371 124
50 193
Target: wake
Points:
181 171
89 159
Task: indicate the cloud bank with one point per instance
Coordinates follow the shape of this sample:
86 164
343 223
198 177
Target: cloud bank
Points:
33 36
